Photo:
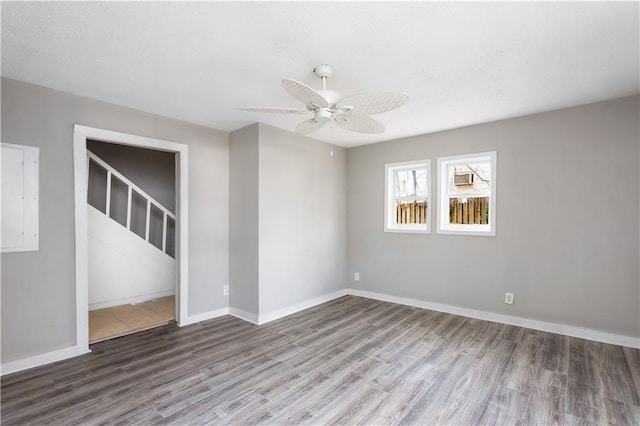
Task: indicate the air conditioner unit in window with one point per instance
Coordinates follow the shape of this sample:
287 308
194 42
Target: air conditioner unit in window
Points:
463 179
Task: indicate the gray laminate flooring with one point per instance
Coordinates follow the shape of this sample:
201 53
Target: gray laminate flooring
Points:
349 361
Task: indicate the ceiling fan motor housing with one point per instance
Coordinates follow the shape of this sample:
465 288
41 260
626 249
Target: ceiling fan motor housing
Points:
323 114
331 97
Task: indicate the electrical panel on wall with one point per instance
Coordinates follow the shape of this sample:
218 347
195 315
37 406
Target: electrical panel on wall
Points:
19 197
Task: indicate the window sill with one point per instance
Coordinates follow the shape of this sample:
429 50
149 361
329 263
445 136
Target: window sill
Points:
477 231
408 229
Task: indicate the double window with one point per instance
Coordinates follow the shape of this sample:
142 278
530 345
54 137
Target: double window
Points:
466 195
408 197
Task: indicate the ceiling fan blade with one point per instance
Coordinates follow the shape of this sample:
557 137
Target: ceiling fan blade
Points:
372 103
304 93
276 110
359 124
309 126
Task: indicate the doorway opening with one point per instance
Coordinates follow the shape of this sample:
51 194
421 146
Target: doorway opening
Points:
82 134
131 202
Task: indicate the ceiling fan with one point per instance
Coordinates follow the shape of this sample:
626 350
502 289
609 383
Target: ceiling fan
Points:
350 113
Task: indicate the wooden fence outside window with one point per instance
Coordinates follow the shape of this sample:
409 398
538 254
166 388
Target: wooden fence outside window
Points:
411 212
471 211
461 211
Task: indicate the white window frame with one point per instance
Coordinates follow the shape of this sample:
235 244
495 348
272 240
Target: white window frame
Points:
443 225
389 201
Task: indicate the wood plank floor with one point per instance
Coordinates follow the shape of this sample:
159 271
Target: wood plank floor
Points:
349 361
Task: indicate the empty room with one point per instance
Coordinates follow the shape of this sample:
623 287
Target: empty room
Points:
323 213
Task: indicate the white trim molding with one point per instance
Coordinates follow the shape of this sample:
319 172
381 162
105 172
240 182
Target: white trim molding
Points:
41 359
204 316
567 330
80 162
280 313
243 315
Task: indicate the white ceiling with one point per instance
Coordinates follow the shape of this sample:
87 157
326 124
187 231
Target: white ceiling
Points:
462 63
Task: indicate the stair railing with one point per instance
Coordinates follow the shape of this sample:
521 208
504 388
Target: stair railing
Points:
130 188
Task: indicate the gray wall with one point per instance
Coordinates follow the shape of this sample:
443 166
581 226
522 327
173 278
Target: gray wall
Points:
567 218
287 219
38 288
302 219
243 219
567 221
152 170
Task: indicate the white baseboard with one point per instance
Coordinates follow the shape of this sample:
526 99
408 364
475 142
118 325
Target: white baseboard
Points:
280 313
41 359
204 316
127 300
274 315
243 315
73 351
567 330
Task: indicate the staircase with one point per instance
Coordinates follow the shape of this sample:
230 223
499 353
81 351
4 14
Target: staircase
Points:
131 240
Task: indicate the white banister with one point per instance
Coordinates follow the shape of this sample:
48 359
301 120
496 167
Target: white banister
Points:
130 188
129 195
117 174
164 232
108 199
146 232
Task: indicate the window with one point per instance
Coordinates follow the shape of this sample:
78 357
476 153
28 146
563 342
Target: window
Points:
467 194
408 197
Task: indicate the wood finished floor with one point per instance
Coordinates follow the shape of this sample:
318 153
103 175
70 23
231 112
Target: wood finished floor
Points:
349 361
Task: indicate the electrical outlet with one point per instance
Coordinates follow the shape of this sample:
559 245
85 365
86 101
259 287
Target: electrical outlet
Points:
356 276
508 298
225 290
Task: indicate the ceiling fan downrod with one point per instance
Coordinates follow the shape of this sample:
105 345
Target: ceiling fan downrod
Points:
323 71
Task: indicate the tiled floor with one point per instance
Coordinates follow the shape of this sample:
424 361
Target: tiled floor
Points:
124 319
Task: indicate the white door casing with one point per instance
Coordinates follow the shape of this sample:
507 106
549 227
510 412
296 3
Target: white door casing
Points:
80 136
